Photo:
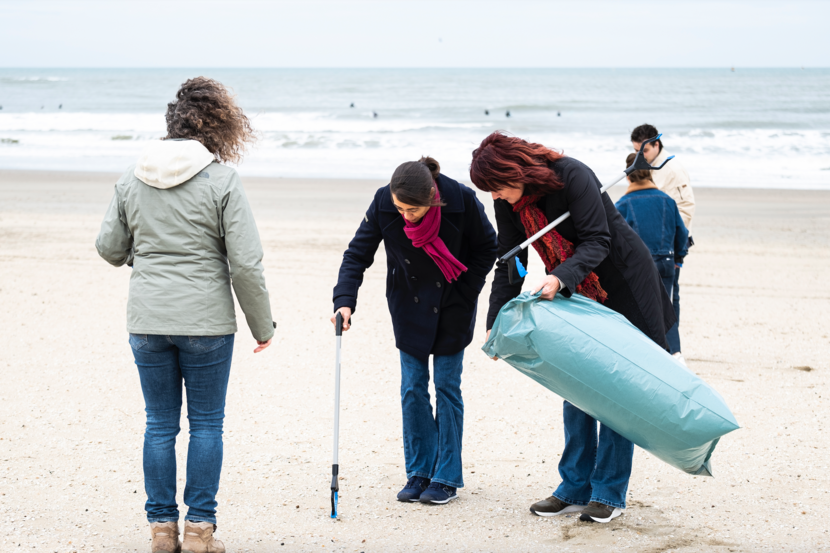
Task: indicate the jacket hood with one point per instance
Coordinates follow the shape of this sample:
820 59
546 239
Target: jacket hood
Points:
167 163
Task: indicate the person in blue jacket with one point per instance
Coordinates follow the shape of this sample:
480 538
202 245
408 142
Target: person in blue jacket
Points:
655 218
439 248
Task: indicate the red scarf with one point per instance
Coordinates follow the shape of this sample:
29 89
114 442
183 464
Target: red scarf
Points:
552 248
424 234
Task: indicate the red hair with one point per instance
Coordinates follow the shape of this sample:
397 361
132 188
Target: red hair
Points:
501 160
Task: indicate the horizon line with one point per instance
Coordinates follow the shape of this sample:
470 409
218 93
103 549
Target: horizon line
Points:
727 67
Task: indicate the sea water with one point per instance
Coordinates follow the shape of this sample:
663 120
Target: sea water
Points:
730 128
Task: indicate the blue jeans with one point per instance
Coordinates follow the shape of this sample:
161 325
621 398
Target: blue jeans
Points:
593 469
432 444
204 364
665 268
673 335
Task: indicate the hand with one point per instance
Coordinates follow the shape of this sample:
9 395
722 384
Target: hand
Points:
262 345
347 315
549 286
495 357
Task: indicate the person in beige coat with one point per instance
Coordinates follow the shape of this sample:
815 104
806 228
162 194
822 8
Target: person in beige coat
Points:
673 179
179 217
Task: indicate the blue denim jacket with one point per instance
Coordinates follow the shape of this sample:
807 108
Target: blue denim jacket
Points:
655 217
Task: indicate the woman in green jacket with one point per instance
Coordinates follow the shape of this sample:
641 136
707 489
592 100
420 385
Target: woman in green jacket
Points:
181 220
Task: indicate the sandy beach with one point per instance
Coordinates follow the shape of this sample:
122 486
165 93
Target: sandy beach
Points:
754 324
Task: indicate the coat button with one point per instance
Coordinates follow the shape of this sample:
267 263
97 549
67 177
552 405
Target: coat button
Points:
435 310
438 284
413 277
407 261
416 299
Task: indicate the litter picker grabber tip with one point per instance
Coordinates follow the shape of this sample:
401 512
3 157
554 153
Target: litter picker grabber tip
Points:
335 467
511 258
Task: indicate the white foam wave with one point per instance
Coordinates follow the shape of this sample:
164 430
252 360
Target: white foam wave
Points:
359 122
35 79
316 144
69 122
266 123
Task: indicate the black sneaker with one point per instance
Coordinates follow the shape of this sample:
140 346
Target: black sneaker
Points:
553 506
438 494
415 486
597 512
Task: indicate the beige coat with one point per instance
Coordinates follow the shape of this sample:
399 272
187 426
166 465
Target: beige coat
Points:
674 181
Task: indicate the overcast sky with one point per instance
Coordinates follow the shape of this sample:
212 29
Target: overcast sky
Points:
414 33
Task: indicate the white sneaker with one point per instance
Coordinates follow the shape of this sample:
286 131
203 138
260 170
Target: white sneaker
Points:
679 357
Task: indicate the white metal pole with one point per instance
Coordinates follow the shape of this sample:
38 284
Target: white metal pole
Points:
564 216
337 399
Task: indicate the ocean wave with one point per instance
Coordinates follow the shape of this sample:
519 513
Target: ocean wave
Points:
114 123
32 79
753 142
319 144
266 123
317 130
378 159
365 122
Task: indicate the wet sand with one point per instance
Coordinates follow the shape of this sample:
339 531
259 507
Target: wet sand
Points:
755 325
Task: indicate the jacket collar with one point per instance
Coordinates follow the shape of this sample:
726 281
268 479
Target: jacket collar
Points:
450 194
632 187
661 157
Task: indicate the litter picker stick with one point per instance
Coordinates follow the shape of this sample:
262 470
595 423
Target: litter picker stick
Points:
512 257
335 467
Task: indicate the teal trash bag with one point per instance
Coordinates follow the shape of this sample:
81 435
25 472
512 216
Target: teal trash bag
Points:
601 363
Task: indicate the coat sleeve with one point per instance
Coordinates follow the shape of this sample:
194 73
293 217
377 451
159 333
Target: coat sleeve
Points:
582 191
681 236
509 236
115 241
245 258
678 187
482 244
357 258
623 206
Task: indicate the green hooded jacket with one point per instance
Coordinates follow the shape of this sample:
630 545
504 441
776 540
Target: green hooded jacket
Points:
184 225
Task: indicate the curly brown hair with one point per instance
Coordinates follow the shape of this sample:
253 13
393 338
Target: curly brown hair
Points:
204 110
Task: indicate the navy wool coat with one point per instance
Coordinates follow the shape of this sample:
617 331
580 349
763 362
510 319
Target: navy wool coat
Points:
429 314
604 244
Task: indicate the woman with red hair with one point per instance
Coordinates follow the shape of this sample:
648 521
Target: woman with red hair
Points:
594 253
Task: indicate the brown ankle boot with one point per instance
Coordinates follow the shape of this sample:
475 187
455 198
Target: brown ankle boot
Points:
165 537
198 538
